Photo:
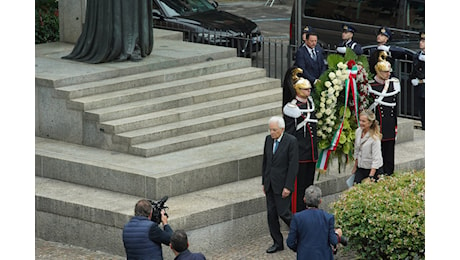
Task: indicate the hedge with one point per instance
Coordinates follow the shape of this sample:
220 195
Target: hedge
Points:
385 220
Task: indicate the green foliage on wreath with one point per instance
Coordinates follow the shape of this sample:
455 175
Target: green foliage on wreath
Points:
337 62
385 220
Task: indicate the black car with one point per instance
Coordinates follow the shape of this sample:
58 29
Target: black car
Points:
202 22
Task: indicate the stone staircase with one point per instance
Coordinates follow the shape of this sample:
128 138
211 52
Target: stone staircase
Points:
187 122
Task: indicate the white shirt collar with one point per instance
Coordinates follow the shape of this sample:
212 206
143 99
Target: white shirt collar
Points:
281 136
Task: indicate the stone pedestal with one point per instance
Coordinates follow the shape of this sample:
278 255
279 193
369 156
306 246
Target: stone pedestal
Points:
71 19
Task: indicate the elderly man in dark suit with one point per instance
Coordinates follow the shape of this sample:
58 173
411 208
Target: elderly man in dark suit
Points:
309 57
312 231
279 169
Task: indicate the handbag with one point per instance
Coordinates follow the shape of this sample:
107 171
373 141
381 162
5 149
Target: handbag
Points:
350 181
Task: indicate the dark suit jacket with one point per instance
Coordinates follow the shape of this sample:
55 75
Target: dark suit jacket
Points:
418 71
311 234
280 169
311 69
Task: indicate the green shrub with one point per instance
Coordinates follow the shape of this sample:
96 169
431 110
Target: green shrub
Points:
46 21
385 220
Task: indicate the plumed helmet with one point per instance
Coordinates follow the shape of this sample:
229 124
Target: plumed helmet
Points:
382 64
299 82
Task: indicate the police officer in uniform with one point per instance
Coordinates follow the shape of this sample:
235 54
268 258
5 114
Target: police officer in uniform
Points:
418 79
383 37
301 121
384 91
347 40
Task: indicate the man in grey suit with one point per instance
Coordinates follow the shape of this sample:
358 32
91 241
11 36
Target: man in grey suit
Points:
279 169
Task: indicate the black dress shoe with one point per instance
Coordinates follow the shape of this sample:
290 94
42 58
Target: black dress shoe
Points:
274 248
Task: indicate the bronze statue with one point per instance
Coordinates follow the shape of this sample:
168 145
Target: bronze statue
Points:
115 30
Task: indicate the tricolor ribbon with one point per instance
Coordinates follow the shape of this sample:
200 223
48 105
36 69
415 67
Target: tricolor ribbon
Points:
350 86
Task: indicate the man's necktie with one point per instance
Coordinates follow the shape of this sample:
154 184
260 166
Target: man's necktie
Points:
313 54
276 146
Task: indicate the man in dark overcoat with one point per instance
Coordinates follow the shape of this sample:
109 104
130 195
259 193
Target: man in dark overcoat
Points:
279 169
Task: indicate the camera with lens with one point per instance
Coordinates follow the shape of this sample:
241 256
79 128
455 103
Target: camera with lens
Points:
343 240
157 207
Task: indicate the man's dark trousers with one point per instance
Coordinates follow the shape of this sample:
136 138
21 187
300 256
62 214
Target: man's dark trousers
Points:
277 207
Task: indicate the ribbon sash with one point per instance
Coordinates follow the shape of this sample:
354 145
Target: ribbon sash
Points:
350 86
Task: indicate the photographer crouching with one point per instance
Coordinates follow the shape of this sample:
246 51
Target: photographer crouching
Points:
142 235
312 234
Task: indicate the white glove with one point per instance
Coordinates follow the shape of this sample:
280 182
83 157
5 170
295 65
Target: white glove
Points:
414 82
383 48
292 110
421 57
341 49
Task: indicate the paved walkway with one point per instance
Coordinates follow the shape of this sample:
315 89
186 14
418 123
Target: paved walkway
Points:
46 250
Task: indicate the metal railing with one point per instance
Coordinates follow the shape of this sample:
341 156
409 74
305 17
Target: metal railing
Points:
277 55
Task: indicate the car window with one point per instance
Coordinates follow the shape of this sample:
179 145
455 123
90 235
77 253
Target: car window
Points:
372 12
184 7
416 15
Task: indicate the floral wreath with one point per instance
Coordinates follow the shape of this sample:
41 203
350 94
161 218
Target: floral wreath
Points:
340 96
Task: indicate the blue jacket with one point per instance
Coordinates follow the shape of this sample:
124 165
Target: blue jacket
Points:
312 69
137 239
311 234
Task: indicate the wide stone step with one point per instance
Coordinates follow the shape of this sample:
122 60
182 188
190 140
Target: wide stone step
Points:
99 208
203 137
196 125
85 96
174 173
53 71
92 103
179 172
187 112
183 99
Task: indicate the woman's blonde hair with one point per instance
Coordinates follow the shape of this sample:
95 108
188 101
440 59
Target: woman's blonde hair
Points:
374 129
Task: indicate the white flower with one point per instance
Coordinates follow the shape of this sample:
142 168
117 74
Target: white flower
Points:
323 99
331 90
336 82
337 87
328 111
338 73
328 102
320 133
327 84
337 94
331 75
324 93
344 77
329 129
319 115
321 105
